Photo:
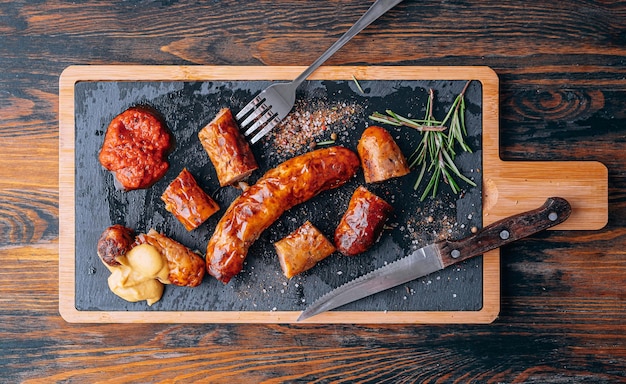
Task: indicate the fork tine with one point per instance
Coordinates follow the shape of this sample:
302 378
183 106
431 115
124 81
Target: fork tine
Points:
271 124
269 114
248 107
258 112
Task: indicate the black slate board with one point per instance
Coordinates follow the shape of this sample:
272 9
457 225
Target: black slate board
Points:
187 107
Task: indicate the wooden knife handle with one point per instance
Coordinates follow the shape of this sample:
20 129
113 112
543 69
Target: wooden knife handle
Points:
554 211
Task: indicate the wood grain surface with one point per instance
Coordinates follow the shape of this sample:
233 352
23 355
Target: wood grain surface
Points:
510 187
562 98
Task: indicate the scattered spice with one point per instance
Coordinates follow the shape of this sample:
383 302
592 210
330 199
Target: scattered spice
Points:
308 121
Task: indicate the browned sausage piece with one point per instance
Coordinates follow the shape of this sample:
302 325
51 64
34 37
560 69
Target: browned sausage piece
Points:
187 201
115 241
380 156
362 223
290 183
227 148
302 249
186 268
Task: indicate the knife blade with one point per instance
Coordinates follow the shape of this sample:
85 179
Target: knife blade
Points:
442 254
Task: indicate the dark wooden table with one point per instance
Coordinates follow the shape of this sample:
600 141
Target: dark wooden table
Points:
562 69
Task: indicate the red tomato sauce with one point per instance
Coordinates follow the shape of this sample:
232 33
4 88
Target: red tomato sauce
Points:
135 148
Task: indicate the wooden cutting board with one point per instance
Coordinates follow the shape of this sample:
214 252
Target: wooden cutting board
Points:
507 188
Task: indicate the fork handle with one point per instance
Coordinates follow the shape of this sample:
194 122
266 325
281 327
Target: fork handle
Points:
377 9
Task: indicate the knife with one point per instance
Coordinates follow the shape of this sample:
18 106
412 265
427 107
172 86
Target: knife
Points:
442 254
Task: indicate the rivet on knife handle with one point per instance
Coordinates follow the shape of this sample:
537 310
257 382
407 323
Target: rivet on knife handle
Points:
554 211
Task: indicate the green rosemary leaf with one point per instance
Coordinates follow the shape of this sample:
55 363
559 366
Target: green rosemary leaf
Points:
378 117
357 84
465 179
421 175
453 185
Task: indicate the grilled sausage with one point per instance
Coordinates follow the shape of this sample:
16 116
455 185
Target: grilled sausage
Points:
302 249
186 268
290 183
380 156
227 148
362 223
187 201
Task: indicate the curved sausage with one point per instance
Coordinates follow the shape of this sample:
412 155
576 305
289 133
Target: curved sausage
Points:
290 183
380 156
362 222
227 148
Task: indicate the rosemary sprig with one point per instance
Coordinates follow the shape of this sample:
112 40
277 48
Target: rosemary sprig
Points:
435 152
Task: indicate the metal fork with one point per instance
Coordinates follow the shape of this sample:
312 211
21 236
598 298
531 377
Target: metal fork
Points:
271 106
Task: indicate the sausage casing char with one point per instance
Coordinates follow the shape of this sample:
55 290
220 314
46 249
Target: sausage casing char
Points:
290 183
187 201
362 223
135 148
186 268
227 148
381 157
302 249
115 241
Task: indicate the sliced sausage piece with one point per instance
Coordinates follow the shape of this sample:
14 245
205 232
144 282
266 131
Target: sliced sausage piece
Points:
187 201
362 223
227 148
302 249
186 268
381 157
290 183
135 148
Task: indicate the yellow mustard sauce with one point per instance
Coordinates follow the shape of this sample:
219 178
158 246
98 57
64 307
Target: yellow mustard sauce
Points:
141 275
